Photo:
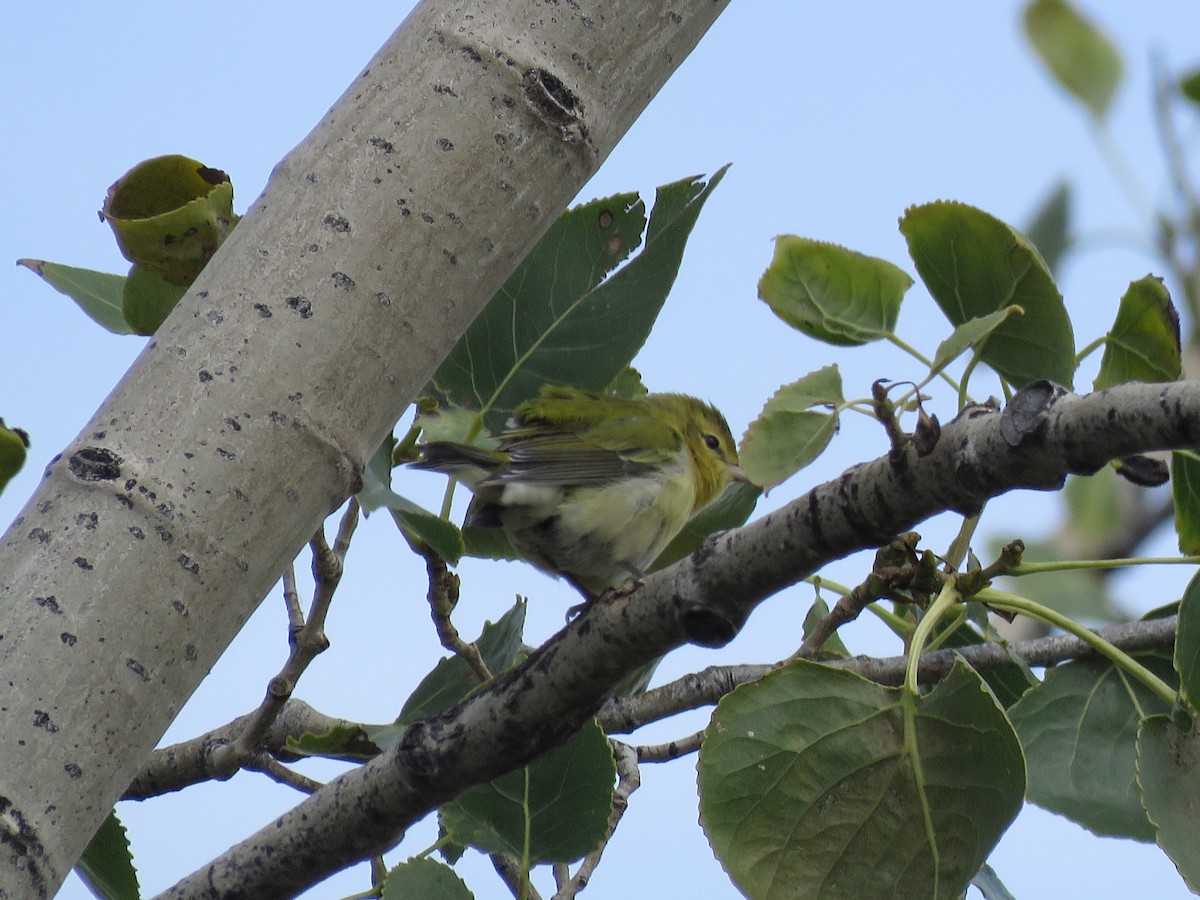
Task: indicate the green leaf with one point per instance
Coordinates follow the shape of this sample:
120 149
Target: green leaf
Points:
424 879
14 444
833 648
1080 57
347 742
788 435
1049 229
1185 491
1189 86
106 866
453 423
974 265
972 333
555 320
169 215
628 384
730 510
1187 645
1079 730
443 537
815 782
1167 765
556 809
1007 684
452 679
99 294
833 294
1143 344
148 300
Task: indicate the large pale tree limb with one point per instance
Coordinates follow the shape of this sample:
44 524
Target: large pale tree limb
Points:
1044 435
249 416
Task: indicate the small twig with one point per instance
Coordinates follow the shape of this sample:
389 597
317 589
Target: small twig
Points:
307 640
629 779
671 749
277 771
291 601
514 877
443 597
562 875
847 609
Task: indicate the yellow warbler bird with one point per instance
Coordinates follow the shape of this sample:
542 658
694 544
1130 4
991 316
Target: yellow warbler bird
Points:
591 487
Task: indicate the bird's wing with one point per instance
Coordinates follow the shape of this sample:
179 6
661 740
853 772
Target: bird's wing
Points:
599 455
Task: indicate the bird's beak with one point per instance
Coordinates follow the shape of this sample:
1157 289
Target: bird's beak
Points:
737 473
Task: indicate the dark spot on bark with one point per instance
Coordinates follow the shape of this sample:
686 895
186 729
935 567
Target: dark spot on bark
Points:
165 536
337 224
42 720
67 638
188 564
1024 418
264 311
40 535
300 305
205 375
552 100
137 532
49 603
95 464
87 521
179 607
343 281
83 563
385 147
136 667
73 770
445 144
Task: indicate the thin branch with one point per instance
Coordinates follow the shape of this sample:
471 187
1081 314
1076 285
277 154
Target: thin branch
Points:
443 597
629 779
197 759
514 876
625 714
307 642
276 771
671 749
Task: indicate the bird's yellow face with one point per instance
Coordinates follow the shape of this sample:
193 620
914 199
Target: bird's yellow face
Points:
714 453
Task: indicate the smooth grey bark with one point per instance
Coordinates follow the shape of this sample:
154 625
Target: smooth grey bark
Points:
249 416
1042 436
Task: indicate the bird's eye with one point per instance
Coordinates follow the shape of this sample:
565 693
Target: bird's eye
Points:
712 442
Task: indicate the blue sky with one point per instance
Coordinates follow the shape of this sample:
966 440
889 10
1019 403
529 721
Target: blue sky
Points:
836 117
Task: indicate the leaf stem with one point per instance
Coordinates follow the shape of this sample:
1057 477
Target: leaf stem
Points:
1072 565
922 359
1012 603
1090 349
945 600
